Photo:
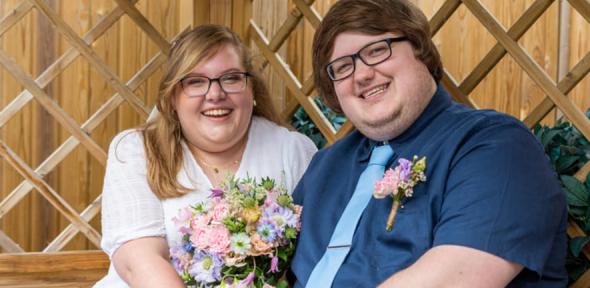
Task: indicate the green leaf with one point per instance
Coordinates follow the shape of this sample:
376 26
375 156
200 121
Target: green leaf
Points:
577 244
282 284
565 162
577 212
577 194
548 136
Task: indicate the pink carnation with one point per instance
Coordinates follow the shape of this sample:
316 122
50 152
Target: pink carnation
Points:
220 209
199 238
388 185
200 221
219 239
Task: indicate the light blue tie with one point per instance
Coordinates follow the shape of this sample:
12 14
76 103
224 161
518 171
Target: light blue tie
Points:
325 270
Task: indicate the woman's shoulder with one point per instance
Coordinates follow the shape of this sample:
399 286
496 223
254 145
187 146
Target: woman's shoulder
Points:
126 143
274 133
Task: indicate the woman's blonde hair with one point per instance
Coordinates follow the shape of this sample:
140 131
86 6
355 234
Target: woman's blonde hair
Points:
163 135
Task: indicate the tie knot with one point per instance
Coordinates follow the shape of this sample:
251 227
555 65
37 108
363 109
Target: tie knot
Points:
380 155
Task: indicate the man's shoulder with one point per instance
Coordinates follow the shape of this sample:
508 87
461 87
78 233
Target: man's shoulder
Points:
473 121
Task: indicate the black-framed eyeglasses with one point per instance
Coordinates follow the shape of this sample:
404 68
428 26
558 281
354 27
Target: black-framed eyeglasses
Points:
371 54
233 82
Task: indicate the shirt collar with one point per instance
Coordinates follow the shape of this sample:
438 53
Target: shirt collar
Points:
439 102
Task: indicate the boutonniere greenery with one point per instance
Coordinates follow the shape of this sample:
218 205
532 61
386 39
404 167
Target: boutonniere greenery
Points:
399 183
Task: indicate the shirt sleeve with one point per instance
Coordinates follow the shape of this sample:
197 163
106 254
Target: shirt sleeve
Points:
130 209
502 197
297 153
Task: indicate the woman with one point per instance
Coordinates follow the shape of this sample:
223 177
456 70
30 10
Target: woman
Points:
215 119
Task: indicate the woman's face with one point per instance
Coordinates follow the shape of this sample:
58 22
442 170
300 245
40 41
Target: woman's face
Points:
218 120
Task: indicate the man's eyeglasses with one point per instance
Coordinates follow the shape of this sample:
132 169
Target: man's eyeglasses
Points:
195 86
371 54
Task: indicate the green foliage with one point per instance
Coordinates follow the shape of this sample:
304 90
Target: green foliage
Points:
302 123
568 151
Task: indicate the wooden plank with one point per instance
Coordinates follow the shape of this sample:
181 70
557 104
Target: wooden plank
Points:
524 22
346 128
8 245
310 14
63 279
220 12
583 7
582 173
583 281
285 30
57 112
70 232
16 15
449 83
292 84
45 137
71 143
51 195
566 84
201 12
142 22
573 230
530 66
443 14
59 65
241 15
36 262
91 56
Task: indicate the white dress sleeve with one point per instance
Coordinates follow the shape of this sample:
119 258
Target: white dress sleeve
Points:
297 152
130 210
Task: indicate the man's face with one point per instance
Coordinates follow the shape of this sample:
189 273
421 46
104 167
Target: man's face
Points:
382 100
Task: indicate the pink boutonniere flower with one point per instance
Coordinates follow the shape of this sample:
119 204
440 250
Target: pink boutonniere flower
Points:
399 183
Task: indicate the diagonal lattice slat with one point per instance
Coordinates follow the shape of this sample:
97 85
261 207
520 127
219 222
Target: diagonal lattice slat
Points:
59 65
51 195
79 134
19 12
92 57
530 66
57 112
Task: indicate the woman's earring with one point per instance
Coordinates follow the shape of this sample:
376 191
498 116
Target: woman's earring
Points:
254 102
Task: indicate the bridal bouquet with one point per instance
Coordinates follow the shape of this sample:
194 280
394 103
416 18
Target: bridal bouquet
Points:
243 236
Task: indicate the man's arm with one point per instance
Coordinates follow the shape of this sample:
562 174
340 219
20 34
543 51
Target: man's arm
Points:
455 266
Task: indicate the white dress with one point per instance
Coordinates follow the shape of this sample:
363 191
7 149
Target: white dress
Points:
130 210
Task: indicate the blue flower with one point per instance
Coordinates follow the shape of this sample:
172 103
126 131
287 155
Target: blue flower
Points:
267 231
206 267
188 247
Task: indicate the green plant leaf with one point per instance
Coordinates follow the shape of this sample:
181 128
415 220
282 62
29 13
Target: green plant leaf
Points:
548 136
577 194
565 162
577 244
577 212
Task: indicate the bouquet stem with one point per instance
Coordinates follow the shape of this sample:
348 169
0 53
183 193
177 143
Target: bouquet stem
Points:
392 214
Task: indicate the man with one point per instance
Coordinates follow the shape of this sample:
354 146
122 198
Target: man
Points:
490 212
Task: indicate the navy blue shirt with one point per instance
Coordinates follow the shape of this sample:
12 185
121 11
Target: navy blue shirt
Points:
489 186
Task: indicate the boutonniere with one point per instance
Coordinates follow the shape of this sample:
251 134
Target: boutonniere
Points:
399 183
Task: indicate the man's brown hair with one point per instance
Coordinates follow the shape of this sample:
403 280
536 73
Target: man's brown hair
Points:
372 17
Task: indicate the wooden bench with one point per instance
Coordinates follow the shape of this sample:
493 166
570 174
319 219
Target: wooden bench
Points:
56 269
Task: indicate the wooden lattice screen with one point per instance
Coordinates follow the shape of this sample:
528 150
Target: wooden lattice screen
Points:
506 43
14 269
302 90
